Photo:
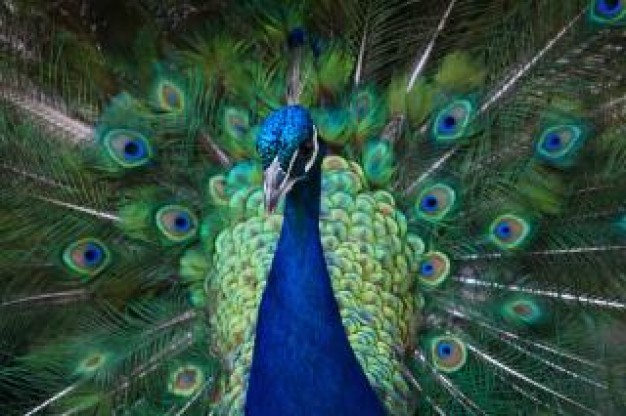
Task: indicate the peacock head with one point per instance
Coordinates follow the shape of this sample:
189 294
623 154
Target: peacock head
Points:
290 151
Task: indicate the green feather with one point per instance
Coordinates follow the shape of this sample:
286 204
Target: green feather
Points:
472 220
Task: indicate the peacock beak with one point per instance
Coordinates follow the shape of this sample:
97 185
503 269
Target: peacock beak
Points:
277 184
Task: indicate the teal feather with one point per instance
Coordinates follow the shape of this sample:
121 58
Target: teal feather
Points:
471 236
607 13
452 121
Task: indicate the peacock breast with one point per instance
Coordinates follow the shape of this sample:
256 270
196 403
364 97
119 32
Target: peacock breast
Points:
372 260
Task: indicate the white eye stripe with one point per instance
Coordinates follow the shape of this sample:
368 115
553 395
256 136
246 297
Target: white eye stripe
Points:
311 161
292 161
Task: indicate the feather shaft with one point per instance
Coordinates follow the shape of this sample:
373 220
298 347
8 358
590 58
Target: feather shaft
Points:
359 64
574 250
52 399
75 131
423 59
432 169
98 214
509 370
465 401
193 399
221 156
56 296
418 387
517 338
511 82
605 303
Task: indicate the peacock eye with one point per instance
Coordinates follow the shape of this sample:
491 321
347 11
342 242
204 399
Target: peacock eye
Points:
170 97
609 12
449 353
451 122
128 148
87 257
184 381
92 363
509 231
306 147
557 143
176 223
434 269
236 123
435 202
609 8
522 311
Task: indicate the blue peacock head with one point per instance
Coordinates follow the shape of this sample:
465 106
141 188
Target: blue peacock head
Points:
290 150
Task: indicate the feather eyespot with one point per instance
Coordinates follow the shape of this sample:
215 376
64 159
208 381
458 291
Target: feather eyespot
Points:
558 144
609 8
92 363
449 353
333 124
509 231
170 97
435 202
523 311
608 12
434 269
176 223
236 123
128 148
186 380
366 111
86 257
452 121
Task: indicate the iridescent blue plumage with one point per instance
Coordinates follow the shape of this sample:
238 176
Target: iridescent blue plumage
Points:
559 144
303 363
281 134
608 12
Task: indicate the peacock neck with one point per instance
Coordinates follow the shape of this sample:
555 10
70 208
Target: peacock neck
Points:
302 362
299 273
302 212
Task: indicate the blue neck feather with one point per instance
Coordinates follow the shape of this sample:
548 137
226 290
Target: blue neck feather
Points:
302 362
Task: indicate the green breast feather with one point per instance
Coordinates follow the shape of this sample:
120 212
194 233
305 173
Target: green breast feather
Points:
371 258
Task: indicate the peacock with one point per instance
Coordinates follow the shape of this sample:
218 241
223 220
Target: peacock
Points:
363 207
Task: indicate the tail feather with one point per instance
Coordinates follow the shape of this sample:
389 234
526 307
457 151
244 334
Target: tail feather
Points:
482 138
